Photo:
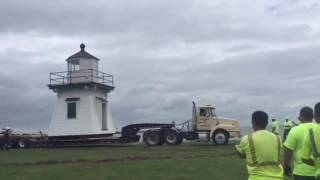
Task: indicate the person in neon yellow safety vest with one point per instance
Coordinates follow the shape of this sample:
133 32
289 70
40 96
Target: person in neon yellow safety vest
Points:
287 128
293 146
275 127
310 153
261 150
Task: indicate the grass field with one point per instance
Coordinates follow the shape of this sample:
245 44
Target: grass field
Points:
197 160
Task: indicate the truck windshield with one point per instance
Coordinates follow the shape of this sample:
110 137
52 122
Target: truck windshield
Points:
207 111
204 112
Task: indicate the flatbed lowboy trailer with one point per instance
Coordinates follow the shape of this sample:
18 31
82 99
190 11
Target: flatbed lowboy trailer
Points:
129 134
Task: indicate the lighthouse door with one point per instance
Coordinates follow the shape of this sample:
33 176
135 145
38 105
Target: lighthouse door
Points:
104 117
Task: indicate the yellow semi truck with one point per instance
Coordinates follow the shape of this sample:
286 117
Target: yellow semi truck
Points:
204 122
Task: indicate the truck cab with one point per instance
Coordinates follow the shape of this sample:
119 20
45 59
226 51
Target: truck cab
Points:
204 122
217 129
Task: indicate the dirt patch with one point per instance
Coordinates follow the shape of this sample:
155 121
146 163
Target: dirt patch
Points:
80 161
213 155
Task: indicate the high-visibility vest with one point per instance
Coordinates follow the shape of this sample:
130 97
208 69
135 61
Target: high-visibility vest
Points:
288 125
275 127
314 148
254 155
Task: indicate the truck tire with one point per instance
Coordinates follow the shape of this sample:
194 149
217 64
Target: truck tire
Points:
220 137
22 143
172 137
152 138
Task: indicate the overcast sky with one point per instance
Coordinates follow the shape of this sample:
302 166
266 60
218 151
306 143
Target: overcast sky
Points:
240 55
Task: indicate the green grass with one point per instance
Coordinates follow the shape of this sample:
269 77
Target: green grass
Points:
187 161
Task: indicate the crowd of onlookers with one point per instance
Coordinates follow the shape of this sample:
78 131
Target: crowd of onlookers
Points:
268 158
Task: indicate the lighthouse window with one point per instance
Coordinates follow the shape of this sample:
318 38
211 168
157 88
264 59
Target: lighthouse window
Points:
74 65
72 110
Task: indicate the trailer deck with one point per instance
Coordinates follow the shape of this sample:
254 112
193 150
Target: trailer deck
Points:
129 134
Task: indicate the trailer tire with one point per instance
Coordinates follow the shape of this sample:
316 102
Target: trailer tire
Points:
172 137
22 143
153 138
220 137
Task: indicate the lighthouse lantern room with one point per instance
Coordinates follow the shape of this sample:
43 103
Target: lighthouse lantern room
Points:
82 97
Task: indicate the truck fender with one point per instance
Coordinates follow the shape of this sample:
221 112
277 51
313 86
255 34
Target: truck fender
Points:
212 131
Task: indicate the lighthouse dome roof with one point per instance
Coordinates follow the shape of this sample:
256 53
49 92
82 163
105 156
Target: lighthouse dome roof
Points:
82 54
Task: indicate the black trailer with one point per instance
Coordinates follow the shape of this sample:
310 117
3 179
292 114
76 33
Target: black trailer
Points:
153 134
129 134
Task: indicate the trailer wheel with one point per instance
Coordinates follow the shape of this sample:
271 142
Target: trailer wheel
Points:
152 138
172 137
220 137
22 143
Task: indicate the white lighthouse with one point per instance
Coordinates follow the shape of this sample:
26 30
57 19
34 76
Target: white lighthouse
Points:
82 97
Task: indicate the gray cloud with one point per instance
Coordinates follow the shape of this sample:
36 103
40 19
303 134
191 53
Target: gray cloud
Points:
240 56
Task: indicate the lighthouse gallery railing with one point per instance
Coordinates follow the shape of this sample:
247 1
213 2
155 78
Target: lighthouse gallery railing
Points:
80 76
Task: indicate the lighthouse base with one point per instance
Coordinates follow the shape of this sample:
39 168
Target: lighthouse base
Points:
81 111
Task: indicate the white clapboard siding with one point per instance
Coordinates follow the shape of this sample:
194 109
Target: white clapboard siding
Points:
88 120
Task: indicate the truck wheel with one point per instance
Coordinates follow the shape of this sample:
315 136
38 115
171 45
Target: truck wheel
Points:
22 143
172 137
220 137
152 138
